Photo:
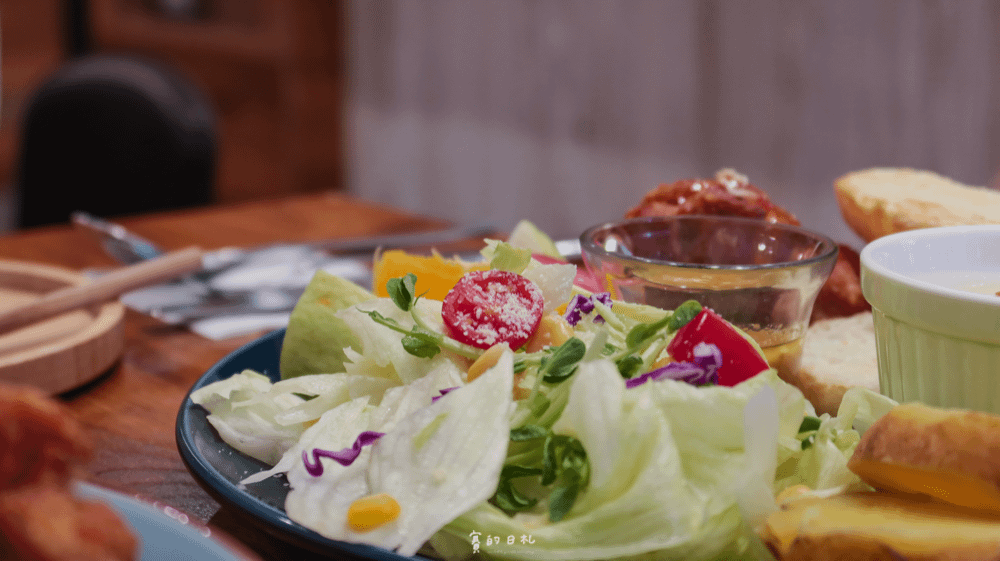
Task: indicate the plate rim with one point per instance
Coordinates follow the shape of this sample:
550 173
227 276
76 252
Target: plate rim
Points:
265 516
135 512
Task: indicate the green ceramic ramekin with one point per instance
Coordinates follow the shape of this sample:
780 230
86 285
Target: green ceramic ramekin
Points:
937 315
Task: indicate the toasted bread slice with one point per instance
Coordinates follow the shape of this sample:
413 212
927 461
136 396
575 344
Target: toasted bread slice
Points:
837 354
880 526
881 201
948 454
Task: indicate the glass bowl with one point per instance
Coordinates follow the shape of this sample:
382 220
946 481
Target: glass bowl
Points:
760 276
935 303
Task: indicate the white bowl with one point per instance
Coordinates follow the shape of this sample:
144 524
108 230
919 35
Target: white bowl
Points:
937 315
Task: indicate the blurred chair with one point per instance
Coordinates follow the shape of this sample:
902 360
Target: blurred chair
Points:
114 135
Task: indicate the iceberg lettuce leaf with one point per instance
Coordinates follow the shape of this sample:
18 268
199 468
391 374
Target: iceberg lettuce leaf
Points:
355 412
380 350
437 463
315 339
246 422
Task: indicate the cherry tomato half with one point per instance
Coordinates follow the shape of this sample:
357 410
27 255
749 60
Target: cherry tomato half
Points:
489 307
740 360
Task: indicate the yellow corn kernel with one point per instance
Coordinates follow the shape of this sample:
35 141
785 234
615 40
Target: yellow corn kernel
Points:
552 331
486 361
368 513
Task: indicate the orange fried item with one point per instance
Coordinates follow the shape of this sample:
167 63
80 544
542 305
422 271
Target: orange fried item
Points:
45 522
41 446
730 193
840 296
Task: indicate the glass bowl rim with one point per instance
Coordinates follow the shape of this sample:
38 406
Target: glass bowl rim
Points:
587 245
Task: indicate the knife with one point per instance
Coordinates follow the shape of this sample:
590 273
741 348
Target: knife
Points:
128 247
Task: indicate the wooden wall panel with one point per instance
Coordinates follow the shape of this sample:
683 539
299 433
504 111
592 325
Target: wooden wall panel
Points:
567 112
274 71
31 47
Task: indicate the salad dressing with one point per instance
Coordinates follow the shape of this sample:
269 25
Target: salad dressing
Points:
979 282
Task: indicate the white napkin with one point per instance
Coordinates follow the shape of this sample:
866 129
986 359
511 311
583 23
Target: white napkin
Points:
270 282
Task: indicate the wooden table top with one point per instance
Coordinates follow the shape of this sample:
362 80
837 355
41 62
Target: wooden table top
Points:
131 411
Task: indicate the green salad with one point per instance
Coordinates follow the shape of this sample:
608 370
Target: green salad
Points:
525 418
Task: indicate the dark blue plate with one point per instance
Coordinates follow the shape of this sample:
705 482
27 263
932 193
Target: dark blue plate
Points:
218 468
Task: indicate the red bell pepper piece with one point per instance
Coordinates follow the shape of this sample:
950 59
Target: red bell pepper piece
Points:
740 359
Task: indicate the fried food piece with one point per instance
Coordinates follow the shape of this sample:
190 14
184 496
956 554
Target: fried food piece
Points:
730 193
44 522
840 296
41 447
880 527
947 454
41 441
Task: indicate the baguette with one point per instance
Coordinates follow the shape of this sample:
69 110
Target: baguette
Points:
881 201
837 354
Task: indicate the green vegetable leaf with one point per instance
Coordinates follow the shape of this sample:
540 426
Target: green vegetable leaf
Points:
809 423
628 365
643 333
382 320
420 347
539 404
564 461
528 432
550 461
418 341
509 258
402 290
562 499
507 496
563 362
561 453
683 315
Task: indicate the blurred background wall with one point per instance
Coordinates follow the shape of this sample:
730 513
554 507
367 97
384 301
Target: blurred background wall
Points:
562 112
567 112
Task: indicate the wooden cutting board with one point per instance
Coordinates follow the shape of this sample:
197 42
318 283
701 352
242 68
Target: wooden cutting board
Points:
62 352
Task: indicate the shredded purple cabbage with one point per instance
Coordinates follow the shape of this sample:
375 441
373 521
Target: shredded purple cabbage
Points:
580 305
343 457
703 370
443 393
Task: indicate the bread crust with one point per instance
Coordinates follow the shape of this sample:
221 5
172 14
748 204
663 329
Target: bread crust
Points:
837 354
957 448
939 439
881 201
877 527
